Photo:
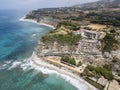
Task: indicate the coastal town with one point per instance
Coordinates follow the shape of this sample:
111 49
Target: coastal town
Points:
82 42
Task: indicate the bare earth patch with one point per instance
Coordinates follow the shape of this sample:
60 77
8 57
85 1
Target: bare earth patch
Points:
62 30
97 26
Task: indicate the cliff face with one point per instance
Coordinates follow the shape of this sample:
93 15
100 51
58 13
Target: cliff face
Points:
54 15
74 37
41 18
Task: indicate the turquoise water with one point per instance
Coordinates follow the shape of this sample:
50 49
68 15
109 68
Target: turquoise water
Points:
18 39
17 43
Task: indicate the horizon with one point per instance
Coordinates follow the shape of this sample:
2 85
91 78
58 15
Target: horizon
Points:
35 4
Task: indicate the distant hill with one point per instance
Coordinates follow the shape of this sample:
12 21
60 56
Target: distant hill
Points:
100 4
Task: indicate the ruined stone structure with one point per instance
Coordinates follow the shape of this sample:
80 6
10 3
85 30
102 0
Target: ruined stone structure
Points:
89 34
92 34
89 46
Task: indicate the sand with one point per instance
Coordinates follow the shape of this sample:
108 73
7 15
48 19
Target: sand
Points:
34 21
74 79
37 63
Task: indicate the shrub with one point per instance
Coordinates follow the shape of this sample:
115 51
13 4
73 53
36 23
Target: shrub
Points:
68 39
69 60
79 63
72 61
112 31
101 71
108 42
108 67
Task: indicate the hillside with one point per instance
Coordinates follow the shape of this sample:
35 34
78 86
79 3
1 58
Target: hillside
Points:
100 4
87 36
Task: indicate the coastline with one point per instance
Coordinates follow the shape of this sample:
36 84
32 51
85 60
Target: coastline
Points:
34 21
42 65
70 77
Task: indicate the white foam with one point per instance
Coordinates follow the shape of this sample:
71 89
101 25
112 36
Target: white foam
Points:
14 65
3 66
47 68
77 82
34 21
8 62
33 35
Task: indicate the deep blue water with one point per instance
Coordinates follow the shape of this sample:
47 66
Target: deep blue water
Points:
17 42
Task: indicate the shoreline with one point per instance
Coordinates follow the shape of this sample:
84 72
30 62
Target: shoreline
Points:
36 63
73 79
64 73
34 21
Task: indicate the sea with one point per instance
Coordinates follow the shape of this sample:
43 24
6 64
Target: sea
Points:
17 43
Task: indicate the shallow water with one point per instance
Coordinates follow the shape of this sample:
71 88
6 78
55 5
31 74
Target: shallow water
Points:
17 43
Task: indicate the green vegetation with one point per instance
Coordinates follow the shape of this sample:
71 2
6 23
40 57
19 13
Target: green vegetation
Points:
87 73
68 39
75 18
70 25
99 71
79 63
108 42
68 59
112 31
107 22
94 83
118 72
88 28
107 66
105 18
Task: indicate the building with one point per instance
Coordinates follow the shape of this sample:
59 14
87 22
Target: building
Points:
92 34
102 81
89 34
76 32
114 85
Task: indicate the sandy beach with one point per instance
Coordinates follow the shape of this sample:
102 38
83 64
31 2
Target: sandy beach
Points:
34 21
62 72
47 68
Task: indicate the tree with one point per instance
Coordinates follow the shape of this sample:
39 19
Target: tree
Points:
68 59
72 61
97 71
65 58
108 42
79 63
